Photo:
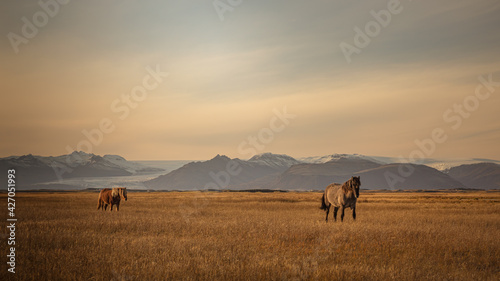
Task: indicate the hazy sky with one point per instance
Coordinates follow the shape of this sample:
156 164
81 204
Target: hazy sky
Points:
67 68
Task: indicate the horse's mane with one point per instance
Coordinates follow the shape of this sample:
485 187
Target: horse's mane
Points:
349 185
117 191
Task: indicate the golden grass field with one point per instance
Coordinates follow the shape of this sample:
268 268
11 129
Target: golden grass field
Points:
255 236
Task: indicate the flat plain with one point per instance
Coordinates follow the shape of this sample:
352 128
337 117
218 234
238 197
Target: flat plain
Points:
255 236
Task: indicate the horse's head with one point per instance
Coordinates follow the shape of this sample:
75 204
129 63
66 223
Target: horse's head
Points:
355 184
119 191
124 193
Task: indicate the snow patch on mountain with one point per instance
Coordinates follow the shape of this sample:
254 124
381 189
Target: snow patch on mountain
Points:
274 160
336 157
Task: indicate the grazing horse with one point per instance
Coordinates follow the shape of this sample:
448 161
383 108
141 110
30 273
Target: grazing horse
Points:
341 196
111 197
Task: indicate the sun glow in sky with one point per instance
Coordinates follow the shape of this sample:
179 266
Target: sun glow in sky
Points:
92 75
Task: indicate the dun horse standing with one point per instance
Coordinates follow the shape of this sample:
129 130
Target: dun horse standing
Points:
341 196
111 197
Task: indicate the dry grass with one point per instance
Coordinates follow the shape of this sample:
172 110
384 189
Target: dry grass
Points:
256 236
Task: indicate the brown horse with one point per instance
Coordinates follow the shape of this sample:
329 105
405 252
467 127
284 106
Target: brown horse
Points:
341 196
111 197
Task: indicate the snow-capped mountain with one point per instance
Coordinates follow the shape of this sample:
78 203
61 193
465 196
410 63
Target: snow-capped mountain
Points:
26 161
130 166
220 172
80 158
278 161
34 169
334 157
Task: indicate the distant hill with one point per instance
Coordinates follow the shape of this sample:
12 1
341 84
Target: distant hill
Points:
214 173
309 176
423 177
480 175
32 169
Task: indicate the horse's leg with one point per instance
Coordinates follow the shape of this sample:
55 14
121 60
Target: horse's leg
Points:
327 212
342 213
335 210
117 207
354 213
111 207
105 208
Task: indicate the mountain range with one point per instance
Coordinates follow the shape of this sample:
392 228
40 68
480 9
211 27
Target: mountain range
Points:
263 171
32 169
273 171
480 175
218 173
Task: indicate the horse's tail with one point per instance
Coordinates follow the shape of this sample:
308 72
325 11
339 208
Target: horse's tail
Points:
99 201
323 205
